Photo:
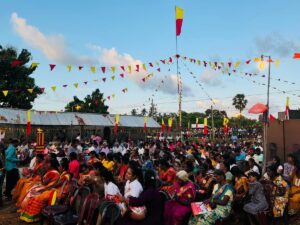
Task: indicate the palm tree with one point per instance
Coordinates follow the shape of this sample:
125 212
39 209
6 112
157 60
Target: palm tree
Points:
239 102
143 112
133 112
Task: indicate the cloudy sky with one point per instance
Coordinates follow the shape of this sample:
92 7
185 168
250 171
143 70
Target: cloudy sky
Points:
115 33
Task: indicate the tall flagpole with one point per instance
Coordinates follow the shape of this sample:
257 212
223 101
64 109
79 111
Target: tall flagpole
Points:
178 83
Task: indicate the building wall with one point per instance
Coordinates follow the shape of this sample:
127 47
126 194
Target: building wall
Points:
276 131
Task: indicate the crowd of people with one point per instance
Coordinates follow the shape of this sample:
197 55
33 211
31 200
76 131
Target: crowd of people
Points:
155 182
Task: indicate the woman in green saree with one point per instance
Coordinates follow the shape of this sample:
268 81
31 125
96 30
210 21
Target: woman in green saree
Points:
220 202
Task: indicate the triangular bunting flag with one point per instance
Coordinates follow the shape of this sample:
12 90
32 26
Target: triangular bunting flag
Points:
42 90
80 67
30 90
93 69
129 69
150 64
113 77
237 64
144 79
144 67
158 69
104 79
122 75
113 69
53 88
108 97
34 65
85 82
69 67
123 68
76 85
113 95
103 69
137 68
277 62
163 61
5 92
52 66
65 85
247 62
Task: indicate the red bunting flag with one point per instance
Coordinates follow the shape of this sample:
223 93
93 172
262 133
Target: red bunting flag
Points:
247 62
122 75
170 60
158 69
179 12
144 79
42 90
297 56
108 97
205 63
150 64
103 69
229 64
28 127
145 123
52 66
123 68
80 67
15 63
272 118
137 68
205 130
163 61
104 79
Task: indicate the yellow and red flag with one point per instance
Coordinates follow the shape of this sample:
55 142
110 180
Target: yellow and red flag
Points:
179 12
28 126
145 123
225 124
205 130
116 123
163 126
197 126
287 108
170 121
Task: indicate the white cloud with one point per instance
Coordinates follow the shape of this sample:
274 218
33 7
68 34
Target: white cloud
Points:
211 77
52 46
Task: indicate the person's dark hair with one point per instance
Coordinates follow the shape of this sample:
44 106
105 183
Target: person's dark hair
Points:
226 165
136 171
292 156
102 154
277 159
93 153
83 166
107 176
54 164
220 173
125 159
209 164
254 174
236 171
257 151
273 169
164 163
64 162
73 155
150 179
53 156
110 156
98 166
40 156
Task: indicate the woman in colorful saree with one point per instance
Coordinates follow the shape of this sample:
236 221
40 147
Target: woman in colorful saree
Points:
179 208
220 202
42 194
26 183
294 200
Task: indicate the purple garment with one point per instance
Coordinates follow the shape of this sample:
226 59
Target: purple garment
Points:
150 198
105 150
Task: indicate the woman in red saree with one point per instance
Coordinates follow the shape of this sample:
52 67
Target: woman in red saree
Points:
24 184
41 194
177 209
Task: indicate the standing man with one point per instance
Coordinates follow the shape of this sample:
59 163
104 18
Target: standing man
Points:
12 172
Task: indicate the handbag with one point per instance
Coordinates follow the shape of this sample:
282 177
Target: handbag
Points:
137 213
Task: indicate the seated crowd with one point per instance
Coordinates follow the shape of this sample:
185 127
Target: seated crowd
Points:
151 183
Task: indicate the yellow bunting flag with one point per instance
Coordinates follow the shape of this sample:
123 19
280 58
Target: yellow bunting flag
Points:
261 65
256 59
30 90
113 77
5 92
113 69
144 67
53 88
198 62
237 64
34 65
129 69
69 68
76 85
113 95
277 62
93 69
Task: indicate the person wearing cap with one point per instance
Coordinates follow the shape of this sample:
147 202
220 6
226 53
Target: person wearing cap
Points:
220 202
180 206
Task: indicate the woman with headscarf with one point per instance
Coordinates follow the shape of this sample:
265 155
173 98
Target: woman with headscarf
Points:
177 209
220 202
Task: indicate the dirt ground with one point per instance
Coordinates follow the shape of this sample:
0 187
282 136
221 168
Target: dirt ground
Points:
9 216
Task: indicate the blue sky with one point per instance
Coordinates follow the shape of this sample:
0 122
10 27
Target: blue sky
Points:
106 33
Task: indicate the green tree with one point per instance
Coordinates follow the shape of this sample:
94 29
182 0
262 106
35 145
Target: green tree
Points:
239 102
93 103
134 112
15 78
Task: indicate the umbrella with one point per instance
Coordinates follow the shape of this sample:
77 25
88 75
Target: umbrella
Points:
258 108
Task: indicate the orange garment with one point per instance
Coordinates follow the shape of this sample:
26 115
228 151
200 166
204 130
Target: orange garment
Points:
92 161
241 187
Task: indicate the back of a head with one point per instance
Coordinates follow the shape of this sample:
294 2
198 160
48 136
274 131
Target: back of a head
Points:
73 155
150 179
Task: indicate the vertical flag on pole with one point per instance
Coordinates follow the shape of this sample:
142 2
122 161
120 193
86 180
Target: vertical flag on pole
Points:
225 124
170 121
205 131
28 127
197 126
145 123
287 108
116 123
163 126
179 19
189 129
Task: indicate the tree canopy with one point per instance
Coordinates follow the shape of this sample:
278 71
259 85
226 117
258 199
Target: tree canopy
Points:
15 78
239 102
93 103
